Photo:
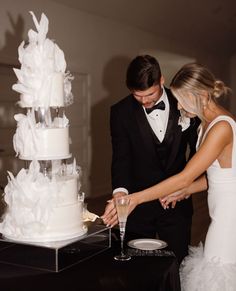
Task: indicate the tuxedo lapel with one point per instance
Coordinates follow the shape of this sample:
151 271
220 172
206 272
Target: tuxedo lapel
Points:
145 129
173 131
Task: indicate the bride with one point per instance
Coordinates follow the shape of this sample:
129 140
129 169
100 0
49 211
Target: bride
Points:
212 267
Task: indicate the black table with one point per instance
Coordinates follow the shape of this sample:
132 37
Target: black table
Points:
99 273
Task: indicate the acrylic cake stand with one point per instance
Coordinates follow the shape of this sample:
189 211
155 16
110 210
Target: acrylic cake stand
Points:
56 256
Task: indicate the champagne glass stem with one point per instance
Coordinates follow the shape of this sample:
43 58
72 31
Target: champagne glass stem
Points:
122 234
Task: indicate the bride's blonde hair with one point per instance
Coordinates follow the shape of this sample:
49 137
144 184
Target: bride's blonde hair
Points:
190 82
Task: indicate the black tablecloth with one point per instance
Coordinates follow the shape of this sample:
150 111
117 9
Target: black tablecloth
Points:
100 273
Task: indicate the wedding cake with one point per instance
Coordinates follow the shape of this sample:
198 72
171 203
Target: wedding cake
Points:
42 201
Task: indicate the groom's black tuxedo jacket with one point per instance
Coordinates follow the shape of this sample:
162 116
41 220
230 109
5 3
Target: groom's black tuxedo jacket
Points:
139 159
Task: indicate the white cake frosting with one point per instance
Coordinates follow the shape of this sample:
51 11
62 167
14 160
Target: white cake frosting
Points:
54 144
32 141
42 209
43 204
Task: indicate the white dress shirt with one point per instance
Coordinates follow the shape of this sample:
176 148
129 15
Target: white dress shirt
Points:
158 119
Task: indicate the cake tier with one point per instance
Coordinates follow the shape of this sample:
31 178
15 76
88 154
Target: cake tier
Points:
42 209
53 143
65 222
51 95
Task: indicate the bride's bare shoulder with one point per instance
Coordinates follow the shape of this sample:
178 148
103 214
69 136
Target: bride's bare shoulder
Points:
221 129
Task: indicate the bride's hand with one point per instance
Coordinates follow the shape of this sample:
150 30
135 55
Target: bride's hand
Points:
173 198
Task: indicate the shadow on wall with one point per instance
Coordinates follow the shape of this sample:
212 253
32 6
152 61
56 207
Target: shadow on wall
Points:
113 80
13 38
8 98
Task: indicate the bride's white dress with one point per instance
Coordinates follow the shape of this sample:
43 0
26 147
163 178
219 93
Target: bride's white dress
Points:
213 267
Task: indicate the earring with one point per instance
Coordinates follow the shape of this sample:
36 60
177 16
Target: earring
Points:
204 104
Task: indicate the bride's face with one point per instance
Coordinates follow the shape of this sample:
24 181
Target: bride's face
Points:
186 112
189 102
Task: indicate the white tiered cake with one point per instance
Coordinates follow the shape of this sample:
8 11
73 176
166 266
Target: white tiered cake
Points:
42 201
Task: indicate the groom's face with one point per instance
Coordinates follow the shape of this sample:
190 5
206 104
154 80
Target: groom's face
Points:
148 97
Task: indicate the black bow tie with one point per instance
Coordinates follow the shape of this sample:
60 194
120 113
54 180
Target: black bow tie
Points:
160 106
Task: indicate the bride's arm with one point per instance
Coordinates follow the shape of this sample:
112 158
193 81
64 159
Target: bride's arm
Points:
218 137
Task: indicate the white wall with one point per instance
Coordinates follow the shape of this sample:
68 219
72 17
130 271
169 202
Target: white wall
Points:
99 47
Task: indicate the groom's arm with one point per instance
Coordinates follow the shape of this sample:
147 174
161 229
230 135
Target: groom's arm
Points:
120 169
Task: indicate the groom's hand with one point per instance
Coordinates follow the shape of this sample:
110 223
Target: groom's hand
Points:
173 198
109 216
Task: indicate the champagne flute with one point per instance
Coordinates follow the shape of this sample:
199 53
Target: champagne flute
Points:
122 204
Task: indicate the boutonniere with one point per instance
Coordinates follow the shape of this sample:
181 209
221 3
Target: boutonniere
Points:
184 122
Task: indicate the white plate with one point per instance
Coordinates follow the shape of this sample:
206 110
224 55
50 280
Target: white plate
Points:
147 244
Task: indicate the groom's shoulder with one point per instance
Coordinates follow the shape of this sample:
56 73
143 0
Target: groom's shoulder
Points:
125 102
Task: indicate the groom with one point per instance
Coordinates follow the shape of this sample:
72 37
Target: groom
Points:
149 146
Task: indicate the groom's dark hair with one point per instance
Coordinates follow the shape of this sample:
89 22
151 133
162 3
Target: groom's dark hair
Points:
143 72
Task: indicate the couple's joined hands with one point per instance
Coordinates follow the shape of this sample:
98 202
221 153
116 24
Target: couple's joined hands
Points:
173 198
110 217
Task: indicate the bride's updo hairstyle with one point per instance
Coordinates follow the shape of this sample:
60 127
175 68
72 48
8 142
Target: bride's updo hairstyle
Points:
190 84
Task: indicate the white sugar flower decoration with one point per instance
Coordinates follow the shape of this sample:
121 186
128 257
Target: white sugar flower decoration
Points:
43 70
